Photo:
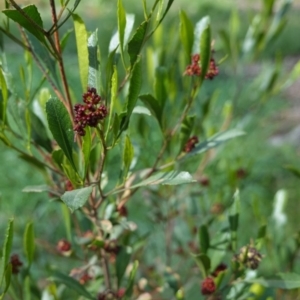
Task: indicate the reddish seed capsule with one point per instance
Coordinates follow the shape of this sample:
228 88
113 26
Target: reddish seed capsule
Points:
64 247
208 286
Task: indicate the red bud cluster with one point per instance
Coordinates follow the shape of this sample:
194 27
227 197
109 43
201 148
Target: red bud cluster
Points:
90 113
208 286
194 69
15 263
190 144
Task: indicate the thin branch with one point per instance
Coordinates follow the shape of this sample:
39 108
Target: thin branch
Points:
60 61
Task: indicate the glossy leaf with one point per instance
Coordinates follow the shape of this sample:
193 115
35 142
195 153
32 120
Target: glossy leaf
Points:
134 90
33 14
186 35
76 198
136 42
29 243
93 74
160 88
71 283
204 239
122 261
82 49
215 141
7 245
167 178
61 127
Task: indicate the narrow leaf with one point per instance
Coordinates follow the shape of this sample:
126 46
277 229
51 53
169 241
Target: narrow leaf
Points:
153 105
134 90
71 283
121 24
130 285
167 178
93 73
36 189
4 92
61 127
86 149
128 154
204 239
82 49
136 42
205 50
6 249
76 198
123 259
29 243
186 35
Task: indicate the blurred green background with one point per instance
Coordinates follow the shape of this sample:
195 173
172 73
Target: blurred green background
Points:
272 140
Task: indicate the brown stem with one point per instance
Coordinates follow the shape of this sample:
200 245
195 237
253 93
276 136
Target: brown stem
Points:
16 40
60 61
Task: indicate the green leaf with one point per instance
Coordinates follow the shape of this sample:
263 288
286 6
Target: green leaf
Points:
295 171
130 284
160 88
285 281
71 283
136 43
76 198
215 141
6 249
141 110
113 99
186 35
93 77
121 24
67 221
233 219
167 178
128 154
204 239
7 275
153 105
27 289
203 262
61 127
32 14
205 49
39 133
134 90
82 49
29 243
86 149
4 92
36 188
123 259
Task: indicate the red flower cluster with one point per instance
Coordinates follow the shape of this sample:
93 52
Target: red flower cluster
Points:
194 69
208 286
15 263
190 144
90 113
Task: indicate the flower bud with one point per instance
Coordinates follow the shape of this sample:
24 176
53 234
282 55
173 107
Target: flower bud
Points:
208 286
